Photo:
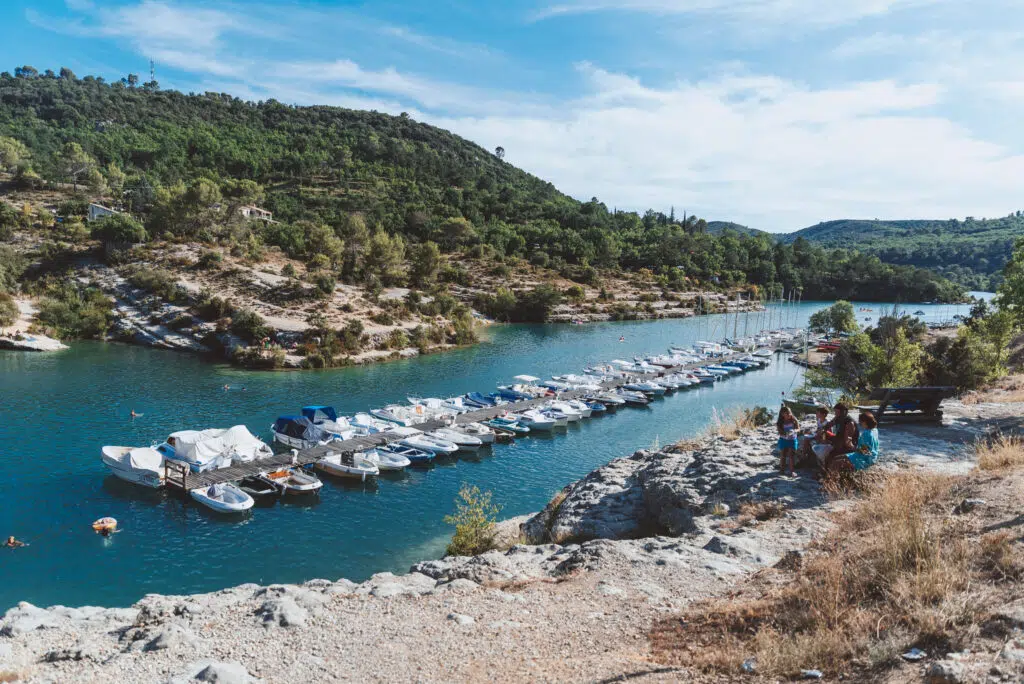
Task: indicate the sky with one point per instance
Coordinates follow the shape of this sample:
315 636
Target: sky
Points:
776 114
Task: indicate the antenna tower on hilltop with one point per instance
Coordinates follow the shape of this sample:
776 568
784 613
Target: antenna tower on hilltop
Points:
152 70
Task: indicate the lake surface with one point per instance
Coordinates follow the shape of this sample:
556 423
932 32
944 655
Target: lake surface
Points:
59 409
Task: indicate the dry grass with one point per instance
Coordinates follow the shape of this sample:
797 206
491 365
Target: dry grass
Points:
760 511
1007 390
8 676
1000 452
735 424
895 572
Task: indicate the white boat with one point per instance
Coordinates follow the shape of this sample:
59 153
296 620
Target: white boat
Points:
138 465
223 498
534 419
464 441
299 432
572 414
355 466
395 414
387 460
372 425
294 482
478 430
411 437
583 407
608 398
211 449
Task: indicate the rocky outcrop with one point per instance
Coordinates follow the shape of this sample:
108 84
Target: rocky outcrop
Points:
670 492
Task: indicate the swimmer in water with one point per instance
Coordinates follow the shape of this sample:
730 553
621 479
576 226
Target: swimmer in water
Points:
227 387
622 338
13 543
135 415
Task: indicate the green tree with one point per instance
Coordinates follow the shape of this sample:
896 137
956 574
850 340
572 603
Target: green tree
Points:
12 153
425 262
8 310
118 231
838 318
74 162
384 258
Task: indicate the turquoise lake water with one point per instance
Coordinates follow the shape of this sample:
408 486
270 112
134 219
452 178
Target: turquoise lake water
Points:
59 409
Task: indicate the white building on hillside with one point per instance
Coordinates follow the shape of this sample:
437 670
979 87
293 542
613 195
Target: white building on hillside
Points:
98 211
251 212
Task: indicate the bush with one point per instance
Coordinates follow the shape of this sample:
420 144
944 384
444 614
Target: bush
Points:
382 318
288 271
474 519
209 259
8 310
248 325
397 339
119 230
575 293
325 284
212 308
159 282
12 266
254 357
69 313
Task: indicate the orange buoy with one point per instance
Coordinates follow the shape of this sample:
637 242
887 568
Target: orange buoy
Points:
105 525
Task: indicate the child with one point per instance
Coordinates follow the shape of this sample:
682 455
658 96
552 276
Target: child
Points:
787 426
818 435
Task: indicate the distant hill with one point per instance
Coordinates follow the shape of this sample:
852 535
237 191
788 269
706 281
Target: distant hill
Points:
719 227
357 194
971 252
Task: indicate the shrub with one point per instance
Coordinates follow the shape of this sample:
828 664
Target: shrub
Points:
325 284
209 259
248 325
8 310
254 357
474 520
159 282
119 230
69 312
382 318
12 266
1000 452
212 308
288 271
575 293
397 339
351 337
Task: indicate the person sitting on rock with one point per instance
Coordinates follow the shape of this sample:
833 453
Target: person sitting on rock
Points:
843 443
820 435
787 425
840 435
866 453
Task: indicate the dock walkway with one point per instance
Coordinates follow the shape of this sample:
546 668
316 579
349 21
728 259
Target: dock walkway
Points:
185 480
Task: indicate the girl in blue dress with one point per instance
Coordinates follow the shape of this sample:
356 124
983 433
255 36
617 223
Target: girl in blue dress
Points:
788 427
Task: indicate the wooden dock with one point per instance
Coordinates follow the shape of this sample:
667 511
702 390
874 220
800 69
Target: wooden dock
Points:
180 477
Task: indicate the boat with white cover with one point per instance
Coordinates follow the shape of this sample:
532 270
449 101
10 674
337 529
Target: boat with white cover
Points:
214 448
348 465
223 497
138 465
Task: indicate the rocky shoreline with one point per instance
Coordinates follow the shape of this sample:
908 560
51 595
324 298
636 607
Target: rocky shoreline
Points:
637 539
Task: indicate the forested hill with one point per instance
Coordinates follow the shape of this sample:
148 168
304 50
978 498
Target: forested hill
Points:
971 252
333 175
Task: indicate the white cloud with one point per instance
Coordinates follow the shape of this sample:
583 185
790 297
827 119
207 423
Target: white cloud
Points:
804 12
764 151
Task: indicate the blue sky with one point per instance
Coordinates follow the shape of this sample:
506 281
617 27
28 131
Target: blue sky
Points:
773 113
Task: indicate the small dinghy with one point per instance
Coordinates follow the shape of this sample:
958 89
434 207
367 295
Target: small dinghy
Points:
386 460
414 456
259 488
138 465
294 482
223 498
348 465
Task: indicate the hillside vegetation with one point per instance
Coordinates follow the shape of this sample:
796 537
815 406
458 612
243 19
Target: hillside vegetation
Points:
372 199
971 252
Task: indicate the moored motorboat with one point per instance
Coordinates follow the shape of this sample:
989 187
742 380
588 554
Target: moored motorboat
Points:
534 420
348 465
482 432
204 450
387 460
223 497
414 456
294 482
259 487
463 440
507 423
411 437
299 432
138 465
